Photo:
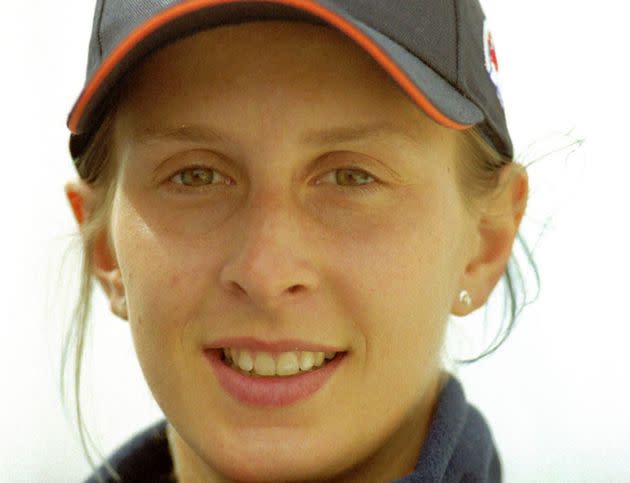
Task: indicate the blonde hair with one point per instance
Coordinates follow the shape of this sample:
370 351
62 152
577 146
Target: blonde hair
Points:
477 178
95 164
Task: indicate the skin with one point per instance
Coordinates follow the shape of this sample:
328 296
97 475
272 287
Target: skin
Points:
276 247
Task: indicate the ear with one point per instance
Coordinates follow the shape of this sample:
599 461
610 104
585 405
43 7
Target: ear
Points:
497 229
104 262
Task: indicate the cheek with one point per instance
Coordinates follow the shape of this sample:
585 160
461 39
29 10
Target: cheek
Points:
165 283
400 283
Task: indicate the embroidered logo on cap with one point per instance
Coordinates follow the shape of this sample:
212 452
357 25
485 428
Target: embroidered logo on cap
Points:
492 61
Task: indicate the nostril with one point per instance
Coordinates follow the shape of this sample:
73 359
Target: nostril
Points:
295 288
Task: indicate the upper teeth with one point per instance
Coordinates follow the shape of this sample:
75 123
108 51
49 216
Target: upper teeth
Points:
284 364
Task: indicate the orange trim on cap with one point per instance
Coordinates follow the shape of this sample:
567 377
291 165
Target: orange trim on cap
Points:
332 18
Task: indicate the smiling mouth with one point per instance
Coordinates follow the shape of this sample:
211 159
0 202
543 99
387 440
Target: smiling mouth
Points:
268 364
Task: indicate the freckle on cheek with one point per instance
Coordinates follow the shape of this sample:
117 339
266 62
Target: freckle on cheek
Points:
174 280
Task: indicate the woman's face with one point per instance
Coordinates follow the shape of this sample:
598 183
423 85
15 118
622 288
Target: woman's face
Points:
251 205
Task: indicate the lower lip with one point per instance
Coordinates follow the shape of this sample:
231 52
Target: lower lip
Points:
271 391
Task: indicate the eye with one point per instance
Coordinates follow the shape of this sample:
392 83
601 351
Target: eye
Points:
198 176
354 177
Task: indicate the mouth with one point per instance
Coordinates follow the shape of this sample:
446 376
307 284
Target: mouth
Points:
267 379
269 364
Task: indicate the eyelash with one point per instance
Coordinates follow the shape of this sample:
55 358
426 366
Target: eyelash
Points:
365 188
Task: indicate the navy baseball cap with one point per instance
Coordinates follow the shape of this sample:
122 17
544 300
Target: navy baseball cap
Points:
440 52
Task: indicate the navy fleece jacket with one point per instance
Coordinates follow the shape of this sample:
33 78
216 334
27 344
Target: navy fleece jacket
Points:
459 448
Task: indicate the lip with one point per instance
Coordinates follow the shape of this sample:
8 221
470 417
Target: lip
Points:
258 345
271 391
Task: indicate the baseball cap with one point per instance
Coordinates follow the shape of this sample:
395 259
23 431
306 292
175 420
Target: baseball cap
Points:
440 52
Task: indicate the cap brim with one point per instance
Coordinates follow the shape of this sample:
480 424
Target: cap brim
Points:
436 97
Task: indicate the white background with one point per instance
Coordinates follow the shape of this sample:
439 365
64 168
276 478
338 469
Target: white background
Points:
556 394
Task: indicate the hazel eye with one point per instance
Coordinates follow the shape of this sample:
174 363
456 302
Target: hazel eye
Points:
196 176
355 175
344 178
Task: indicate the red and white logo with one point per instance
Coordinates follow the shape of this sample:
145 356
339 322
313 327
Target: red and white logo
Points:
492 61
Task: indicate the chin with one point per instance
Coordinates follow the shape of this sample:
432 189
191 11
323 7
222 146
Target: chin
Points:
273 464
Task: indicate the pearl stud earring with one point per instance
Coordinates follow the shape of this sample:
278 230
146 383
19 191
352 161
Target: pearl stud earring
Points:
465 298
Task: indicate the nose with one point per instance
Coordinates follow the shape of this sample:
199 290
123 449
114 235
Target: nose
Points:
269 264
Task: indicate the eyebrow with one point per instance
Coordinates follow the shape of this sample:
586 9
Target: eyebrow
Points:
337 135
